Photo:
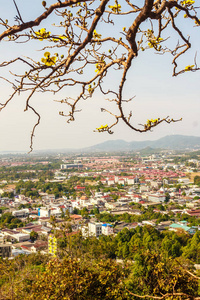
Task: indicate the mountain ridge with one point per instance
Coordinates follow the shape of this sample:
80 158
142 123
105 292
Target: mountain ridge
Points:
172 142
169 142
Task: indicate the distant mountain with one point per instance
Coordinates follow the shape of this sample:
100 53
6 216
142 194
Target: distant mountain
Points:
173 142
148 151
178 142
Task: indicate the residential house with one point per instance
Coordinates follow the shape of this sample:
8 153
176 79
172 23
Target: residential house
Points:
156 198
107 229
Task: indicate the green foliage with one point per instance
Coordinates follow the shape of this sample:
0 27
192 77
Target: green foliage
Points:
95 211
167 197
33 236
152 274
197 180
71 279
22 206
30 171
2 209
30 188
171 247
18 275
84 212
76 211
115 197
154 264
192 249
7 220
42 277
106 217
7 195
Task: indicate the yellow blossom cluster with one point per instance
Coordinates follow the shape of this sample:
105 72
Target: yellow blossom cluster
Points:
155 43
96 35
189 68
102 128
90 88
60 37
187 2
99 66
42 34
115 8
48 60
151 123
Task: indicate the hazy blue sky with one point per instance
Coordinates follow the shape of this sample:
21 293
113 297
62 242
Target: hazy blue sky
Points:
158 94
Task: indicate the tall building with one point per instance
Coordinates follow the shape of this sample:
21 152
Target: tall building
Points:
95 229
5 249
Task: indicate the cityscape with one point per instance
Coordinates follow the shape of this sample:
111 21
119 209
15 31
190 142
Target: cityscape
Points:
52 204
99 150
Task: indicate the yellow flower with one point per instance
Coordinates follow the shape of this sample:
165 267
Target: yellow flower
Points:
187 2
189 68
48 60
151 123
155 121
99 66
115 8
42 34
90 89
61 37
96 35
155 43
102 128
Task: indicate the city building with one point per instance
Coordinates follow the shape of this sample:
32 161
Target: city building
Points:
95 229
5 250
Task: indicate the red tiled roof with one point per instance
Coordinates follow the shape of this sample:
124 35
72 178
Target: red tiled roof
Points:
76 217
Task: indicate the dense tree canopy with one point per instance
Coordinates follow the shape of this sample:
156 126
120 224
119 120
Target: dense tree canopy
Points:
81 49
7 220
86 269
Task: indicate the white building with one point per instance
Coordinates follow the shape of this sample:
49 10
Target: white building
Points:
148 222
48 197
184 180
96 201
55 211
107 229
19 237
71 166
44 212
68 206
95 229
156 198
21 213
84 201
98 195
110 181
130 180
